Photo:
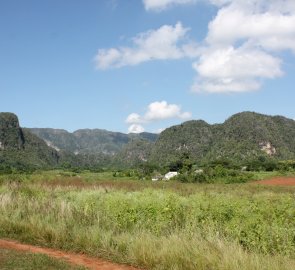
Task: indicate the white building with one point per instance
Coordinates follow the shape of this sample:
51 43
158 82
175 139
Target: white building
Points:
169 175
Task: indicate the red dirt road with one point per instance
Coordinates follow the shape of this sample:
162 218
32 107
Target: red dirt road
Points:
77 259
278 181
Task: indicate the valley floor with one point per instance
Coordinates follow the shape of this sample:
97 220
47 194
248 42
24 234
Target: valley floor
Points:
163 225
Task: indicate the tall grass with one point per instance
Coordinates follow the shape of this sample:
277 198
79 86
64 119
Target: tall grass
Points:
156 229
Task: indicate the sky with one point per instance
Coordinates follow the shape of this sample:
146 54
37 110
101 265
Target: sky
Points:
144 65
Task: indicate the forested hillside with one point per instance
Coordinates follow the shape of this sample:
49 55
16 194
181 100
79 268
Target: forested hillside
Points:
89 141
244 136
21 149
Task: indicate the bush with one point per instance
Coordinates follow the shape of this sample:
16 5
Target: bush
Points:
192 178
216 174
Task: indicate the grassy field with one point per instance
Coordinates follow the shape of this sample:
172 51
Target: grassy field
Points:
165 225
13 260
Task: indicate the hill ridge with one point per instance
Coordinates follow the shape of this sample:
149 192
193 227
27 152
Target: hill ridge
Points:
241 137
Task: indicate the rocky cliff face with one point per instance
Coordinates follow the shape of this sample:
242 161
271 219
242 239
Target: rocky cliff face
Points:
21 149
11 135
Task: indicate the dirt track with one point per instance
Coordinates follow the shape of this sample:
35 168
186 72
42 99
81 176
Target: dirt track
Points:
278 181
77 259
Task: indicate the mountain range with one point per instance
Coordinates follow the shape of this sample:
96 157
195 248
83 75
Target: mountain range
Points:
89 141
244 136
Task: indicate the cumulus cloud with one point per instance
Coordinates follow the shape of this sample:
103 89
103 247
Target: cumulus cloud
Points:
162 110
241 45
234 70
134 118
167 42
242 39
272 30
156 111
135 128
240 51
159 5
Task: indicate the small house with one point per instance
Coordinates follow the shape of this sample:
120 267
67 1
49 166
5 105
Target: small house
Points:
169 175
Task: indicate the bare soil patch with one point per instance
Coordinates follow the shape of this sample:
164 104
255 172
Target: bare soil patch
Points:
77 259
278 181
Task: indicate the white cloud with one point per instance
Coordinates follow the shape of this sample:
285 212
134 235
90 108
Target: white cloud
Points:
240 51
167 42
156 111
241 44
234 70
162 110
134 118
239 63
159 5
271 30
135 128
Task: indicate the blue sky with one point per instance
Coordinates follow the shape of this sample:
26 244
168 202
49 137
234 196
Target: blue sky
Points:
145 64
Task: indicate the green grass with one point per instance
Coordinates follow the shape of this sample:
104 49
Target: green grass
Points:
14 260
107 181
265 175
155 225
